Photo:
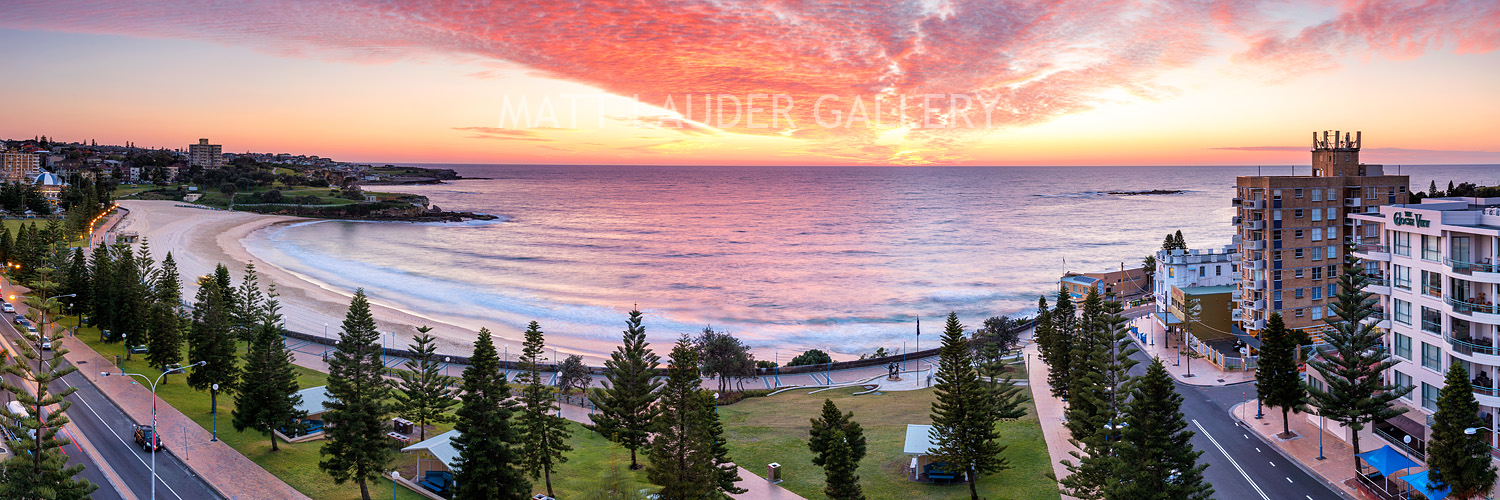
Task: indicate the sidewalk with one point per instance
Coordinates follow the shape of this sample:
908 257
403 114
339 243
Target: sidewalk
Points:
1158 345
1337 467
226 470
1049 412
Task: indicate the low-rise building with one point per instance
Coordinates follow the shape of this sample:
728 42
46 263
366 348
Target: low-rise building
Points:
1123 285
1193 267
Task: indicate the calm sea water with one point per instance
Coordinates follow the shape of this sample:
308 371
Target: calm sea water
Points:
845 259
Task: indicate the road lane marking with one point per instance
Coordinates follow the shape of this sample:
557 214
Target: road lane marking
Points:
1231 460
1257 450
1273 464
122 440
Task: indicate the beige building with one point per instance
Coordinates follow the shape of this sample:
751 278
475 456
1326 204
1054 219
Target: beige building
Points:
19 167
205 155
1292 231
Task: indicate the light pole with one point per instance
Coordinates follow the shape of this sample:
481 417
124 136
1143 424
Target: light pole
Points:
1406 443
1322 423
155 434
446 362
325 341
214 393
557 379
124 348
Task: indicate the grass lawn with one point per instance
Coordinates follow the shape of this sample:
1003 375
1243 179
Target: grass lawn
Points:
774 429
297 464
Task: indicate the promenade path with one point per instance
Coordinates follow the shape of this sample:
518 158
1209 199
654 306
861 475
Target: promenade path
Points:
1183 368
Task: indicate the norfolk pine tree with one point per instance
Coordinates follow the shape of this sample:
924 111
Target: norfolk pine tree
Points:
963 420
489 455
211 342
423 395
248 306
1156 455
357 446
1277 381
544 436
1042 332
267 397
626 403
681 450
37 468
1354 371
1094 414
725 473
1064 332
838 444
165 341
1457 459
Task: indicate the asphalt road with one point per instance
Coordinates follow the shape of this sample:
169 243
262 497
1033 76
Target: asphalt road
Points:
1240 465
109 430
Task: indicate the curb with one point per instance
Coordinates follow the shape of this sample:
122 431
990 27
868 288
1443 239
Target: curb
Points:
1182 380
1331 486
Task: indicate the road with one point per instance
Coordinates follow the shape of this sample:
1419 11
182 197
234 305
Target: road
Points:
107 430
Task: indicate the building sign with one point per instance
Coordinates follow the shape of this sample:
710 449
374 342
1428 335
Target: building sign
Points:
1407 219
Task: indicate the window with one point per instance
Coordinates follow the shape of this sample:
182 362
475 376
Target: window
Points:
1276 235
1403 346
1333 290
1429 397
1432 320
1403 385
1297 273
1317 234
1317 195
1276 275
1333 213
1171 272
1432 357
1402 244
1299 311
1317 253
1276 296
1333 194
1403 277
1332 233
1297 234
1297 293
1403 311
1317 293
1275 215
1333 271
1219 270
1432 284
1317 313
1202 271
1317 215
1332 253
1430 248
1297 254
1276 194
1317 273
1298 193
1297 214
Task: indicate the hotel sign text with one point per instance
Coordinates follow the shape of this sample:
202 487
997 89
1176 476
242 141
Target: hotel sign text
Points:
1407 219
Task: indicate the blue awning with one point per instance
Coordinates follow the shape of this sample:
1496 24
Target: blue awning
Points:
1424 486
1387 460
1167 318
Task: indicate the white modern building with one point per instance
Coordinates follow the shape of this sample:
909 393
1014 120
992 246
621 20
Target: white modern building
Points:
1436 272
1193 267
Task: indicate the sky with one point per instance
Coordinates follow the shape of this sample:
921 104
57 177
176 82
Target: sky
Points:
771 82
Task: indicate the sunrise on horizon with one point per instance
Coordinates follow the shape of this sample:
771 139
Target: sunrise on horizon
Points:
763 83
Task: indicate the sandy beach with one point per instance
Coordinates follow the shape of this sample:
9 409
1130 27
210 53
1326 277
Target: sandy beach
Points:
200 239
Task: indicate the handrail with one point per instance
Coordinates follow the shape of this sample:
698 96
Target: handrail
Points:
1471 347
1466 307
1458 265
1371 247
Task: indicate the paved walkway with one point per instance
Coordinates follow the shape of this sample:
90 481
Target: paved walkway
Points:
1049 412
1337 467
1186 370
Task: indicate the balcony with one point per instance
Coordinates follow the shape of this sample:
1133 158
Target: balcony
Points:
1482 272
1256 264
1482 313
1255 324
1255 285
1476 350
1255 244
1236 220
1487 396
1255 225
1351 202
1237 201
1369 251
1256 304
1378 285
1255 204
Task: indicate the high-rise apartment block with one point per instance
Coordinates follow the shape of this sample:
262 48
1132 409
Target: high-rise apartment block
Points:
19 167
205 155
1292 230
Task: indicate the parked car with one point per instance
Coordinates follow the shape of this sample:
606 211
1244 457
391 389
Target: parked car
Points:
5 306
147 438
21 320
46 343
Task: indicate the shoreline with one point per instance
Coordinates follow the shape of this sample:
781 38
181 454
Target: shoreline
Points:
200 239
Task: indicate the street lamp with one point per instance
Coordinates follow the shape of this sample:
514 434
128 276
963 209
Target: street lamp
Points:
1322 424
155 433
446 362
214 393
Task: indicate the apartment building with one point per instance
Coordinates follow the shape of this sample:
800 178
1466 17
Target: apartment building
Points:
1292 229
18 166
1193 268
205 155
1436 269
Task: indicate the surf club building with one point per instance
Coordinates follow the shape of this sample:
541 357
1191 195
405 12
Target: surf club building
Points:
1435 271
1291 231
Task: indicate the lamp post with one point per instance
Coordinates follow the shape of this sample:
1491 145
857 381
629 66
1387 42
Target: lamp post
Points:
446 362
155 434
124 348
1322 424
325 341
214 394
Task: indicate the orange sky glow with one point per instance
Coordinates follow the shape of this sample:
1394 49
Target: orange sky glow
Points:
956 82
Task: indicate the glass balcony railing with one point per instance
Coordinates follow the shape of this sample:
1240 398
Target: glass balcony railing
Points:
1468 346
1371 248
1467 306
1471 267
1486 391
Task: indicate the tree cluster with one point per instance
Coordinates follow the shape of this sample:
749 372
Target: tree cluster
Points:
724 357
811 357
1174 241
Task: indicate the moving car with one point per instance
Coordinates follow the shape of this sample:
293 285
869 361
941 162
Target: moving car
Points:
21 320
5 306
147 437
46 343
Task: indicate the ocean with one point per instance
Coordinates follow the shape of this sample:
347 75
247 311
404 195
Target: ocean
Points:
845 259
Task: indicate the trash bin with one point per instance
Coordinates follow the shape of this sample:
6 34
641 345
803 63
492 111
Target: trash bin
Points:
773 473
